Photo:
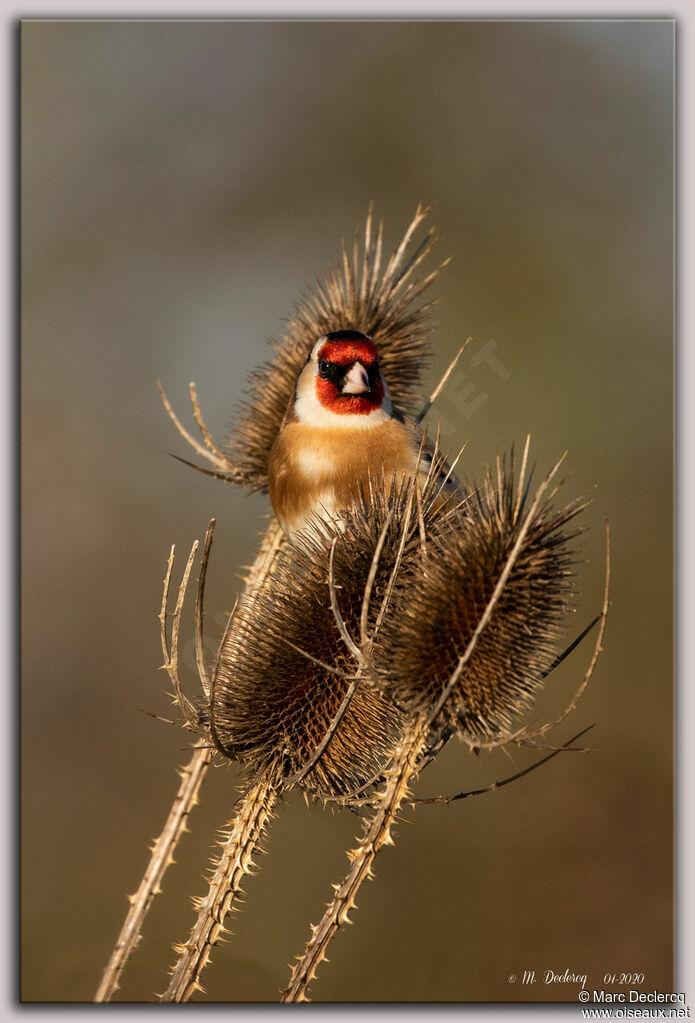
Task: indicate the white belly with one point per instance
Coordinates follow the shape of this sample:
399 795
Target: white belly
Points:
324 510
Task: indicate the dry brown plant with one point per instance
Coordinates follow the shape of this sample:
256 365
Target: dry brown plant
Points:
308 688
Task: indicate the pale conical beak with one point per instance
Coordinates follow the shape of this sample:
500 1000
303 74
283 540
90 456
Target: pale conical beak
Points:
356 380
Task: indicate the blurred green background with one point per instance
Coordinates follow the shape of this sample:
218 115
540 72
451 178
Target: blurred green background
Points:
182 183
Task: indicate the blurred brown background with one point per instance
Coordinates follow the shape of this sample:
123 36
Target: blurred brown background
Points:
182 182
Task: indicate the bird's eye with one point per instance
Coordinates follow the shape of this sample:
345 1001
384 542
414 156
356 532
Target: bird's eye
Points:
324 367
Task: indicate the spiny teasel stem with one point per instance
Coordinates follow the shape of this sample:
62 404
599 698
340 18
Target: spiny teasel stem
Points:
234 863
398 775
186 797
162 855
377 833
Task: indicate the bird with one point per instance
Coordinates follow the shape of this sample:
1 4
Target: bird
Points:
342 433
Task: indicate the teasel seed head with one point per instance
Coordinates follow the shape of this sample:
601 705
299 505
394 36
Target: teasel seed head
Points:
366 293
285 668
438 605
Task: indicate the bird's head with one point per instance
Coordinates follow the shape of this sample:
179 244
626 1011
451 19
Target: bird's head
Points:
341 383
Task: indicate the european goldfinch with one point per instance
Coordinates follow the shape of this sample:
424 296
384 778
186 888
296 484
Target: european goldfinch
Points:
341 432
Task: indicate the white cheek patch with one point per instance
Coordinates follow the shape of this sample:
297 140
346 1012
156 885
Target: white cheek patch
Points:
309 410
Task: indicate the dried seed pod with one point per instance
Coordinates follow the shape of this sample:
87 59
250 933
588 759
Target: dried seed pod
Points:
438 606
361 296
271 703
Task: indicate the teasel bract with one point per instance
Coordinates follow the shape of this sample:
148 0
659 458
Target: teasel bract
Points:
469 637
366 292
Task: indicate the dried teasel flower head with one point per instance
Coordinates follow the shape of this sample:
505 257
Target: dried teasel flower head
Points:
438 605
289 661
367 293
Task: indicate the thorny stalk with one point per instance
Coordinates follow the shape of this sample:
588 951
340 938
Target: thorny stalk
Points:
234 863
162 855
186 798
192 773
377 833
